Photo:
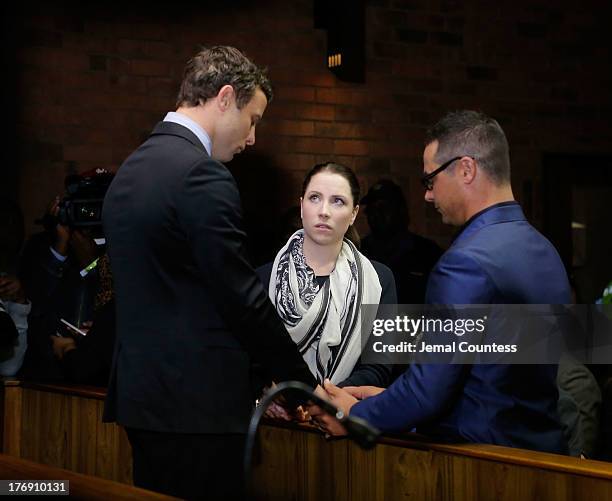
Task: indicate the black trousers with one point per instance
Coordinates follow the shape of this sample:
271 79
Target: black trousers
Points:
189 465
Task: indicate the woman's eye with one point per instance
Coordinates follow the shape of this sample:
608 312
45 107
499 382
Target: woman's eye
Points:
339 201
314 198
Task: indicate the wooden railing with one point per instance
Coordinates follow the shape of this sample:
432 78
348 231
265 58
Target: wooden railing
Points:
299 464
61 426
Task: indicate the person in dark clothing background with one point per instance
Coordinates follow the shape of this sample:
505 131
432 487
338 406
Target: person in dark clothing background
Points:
410 256
54 274
87 359
14 305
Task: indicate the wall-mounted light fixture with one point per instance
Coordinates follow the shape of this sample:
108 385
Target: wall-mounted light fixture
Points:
344 21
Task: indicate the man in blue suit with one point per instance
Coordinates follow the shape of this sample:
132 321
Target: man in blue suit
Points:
496 258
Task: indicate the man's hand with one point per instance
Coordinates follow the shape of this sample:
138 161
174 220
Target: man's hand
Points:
62 345
327 423
362 392
340 399
11 290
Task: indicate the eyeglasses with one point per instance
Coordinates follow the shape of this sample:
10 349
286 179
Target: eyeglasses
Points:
427 180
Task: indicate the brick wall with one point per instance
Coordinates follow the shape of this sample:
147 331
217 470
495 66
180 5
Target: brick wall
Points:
92 81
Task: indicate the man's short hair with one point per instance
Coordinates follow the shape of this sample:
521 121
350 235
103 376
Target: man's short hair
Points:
212 68
474 134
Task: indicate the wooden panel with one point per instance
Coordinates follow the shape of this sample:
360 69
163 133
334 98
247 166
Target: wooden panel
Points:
396 470
82 439
11 422
108 444
66 431
31 438
283 466
326 475
54 426
363 464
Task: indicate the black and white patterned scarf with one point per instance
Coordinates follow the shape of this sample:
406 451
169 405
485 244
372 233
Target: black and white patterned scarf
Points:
324 322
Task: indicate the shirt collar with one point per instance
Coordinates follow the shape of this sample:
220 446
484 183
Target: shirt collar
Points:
185 121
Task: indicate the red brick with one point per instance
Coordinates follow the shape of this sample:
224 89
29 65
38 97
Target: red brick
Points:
352 114
314 111
89 42
159 50
53 58
296 93
131 48
333 95
339 130
138 29
320 78
93 101
350 147
149 67
294 128
129 83
348 161
99 153
377 127
162 86
394 116
119 65
279 110
275 143
66 134
41 114
295 161
314 145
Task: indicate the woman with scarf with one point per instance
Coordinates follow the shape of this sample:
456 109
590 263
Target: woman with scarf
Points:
319 280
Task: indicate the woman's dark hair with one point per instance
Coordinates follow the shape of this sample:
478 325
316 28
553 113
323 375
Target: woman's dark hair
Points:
348 174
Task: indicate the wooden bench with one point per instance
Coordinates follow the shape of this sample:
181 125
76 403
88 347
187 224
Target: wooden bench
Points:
60 426
80 486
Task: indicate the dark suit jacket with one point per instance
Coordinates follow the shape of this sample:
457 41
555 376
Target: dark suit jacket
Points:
191 313
498 258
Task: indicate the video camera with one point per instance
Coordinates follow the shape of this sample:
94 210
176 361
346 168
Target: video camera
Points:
82 205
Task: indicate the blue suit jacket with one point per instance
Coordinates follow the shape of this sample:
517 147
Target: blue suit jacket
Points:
498 258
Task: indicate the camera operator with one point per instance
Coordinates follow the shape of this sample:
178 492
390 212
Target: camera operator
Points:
59 272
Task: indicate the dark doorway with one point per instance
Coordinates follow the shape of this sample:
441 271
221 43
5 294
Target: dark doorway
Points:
577 201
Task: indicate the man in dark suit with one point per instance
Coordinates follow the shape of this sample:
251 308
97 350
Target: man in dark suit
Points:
497 258
191 314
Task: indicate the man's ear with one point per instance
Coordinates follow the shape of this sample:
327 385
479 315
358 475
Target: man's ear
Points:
225 97
469 168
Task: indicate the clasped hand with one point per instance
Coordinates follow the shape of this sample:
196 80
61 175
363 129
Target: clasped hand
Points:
341 398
